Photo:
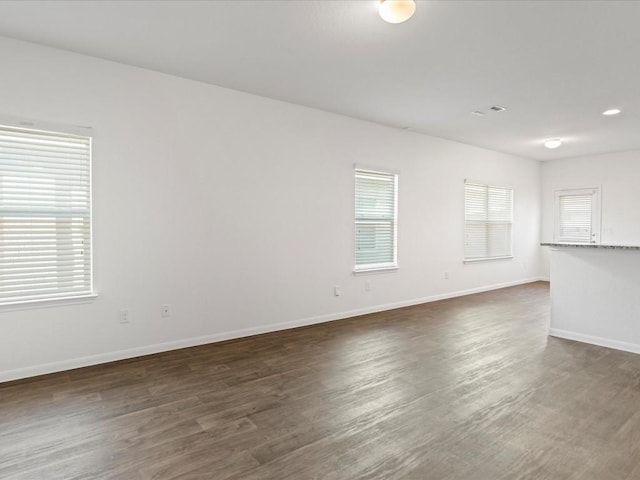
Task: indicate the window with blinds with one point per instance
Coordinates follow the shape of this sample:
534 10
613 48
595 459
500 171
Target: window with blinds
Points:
488 221
375 220
576 215
45 215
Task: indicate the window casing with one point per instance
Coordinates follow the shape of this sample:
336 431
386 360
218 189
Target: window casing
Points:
45 215
488 219
577 215
375 220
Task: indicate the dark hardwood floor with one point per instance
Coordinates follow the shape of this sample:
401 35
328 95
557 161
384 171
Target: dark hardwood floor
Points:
467 388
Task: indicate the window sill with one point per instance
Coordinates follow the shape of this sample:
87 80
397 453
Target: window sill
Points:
48 302
364 271
575 242
488 259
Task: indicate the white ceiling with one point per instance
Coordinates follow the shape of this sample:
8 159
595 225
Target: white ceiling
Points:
556 65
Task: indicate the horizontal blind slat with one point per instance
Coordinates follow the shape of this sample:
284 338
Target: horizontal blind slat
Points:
25 263
49 213
20 273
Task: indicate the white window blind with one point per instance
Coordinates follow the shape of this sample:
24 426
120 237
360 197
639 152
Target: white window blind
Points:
488 215
45 215
576 220
375 219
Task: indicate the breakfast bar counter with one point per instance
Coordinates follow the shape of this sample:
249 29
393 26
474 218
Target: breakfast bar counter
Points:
595 294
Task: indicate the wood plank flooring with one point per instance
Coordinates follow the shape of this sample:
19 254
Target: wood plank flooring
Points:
467 388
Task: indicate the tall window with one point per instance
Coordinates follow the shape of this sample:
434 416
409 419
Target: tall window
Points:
45 215
488 217
577 215
376 220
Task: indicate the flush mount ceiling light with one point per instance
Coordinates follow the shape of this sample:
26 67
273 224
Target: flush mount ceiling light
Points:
396 11
552 143
611 111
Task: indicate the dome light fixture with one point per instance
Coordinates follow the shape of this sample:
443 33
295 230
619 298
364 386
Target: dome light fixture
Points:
552 143
396 11
611 111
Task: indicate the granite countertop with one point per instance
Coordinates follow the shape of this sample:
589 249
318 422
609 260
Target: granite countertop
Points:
591 245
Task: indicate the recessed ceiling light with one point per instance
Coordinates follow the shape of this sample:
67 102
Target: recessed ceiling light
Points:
553 143
612 111
498 108
396 11
478 113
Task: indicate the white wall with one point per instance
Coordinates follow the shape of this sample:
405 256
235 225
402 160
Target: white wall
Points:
617 174
237 211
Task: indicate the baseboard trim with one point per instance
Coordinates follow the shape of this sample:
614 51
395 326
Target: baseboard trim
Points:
87 361
594 340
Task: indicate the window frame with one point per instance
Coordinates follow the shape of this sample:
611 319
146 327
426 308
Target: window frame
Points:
595 233
488 223
58 297
380 266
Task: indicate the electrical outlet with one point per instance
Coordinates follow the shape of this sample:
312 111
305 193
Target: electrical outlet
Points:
446 275
165 311
336 291
123 316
